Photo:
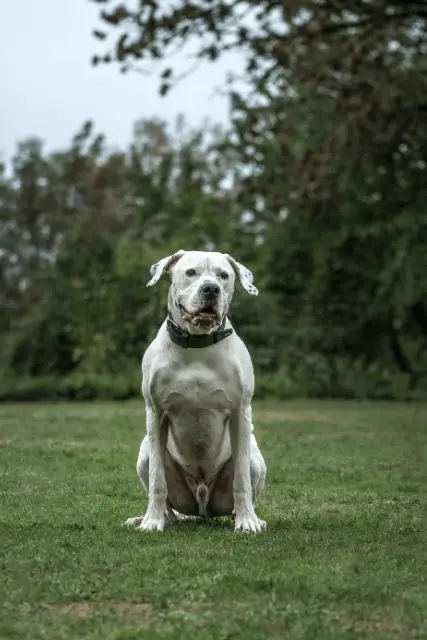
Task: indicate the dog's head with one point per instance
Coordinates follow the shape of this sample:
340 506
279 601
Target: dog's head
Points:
202 287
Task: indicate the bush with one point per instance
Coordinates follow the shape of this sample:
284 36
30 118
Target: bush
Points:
311 377
74 387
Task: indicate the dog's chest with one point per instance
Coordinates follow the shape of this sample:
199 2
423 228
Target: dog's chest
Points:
198 401
195 386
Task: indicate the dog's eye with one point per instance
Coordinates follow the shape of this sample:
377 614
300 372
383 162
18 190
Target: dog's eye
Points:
190 273
224 275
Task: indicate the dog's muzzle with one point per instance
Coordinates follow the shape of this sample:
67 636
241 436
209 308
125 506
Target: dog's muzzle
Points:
207 316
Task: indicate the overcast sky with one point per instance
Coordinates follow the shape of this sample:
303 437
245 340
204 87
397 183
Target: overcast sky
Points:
48 87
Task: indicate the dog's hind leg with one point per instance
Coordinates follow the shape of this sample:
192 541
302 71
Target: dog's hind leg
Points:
258 469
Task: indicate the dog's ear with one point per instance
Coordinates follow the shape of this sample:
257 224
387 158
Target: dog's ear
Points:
245 276
165 264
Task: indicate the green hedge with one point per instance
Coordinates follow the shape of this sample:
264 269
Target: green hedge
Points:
78 387
350 384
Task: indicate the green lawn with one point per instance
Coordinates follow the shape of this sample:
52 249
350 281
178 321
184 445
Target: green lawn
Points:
344 555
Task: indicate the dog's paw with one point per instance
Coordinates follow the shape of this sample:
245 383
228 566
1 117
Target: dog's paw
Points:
249 523
152 523
133 522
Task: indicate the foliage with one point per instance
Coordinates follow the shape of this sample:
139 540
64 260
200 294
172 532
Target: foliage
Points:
331 138
318 186
93 311
353 69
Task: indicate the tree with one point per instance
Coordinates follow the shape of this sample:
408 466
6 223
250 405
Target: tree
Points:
318 186
168 189
331 137
362 62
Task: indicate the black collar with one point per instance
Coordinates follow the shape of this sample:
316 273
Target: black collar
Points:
188 341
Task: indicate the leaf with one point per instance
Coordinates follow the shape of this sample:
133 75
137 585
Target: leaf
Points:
100 35
166 73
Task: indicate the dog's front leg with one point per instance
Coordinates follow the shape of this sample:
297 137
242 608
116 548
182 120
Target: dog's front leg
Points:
240 434
154 519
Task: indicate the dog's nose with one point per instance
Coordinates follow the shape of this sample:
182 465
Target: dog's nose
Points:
210 290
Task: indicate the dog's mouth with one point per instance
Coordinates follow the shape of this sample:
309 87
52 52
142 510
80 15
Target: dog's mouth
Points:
204 318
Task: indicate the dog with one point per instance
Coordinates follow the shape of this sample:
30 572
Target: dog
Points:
200 457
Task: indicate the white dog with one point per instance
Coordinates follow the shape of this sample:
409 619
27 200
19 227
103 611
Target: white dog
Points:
200 456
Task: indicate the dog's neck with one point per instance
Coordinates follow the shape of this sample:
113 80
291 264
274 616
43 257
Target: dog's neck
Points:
187 340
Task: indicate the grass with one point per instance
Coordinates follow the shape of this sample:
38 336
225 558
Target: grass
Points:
344 556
